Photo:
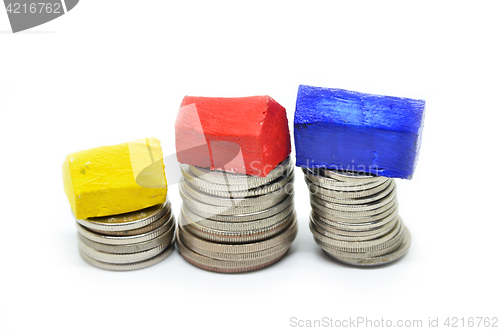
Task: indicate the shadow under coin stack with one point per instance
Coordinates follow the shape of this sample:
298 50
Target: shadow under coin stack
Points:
128 241
354 217
234 223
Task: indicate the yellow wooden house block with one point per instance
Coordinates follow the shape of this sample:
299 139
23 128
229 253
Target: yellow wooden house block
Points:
115 179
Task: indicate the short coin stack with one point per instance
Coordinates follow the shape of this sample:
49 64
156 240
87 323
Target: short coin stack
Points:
355 218
128 241
236 223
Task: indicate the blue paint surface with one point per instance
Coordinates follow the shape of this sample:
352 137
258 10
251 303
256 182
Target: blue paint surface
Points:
346 130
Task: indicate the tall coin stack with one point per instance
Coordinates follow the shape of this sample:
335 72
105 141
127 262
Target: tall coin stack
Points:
234 223
355 218
128 241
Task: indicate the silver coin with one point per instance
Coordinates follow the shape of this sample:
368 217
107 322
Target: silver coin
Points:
355 216
225 266
275 197
125 240
236 223
145 229
343 254
237 226
127 221
130 266
192 240
361 220
362 246
332 232
353 228
332 184
283 182
225 186
275 250
235 210
316 190
383 201
330 209
247 181
131 248
121 258
378 260
239 236
267 213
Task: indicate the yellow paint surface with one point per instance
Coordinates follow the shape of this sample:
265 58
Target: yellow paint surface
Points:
115 179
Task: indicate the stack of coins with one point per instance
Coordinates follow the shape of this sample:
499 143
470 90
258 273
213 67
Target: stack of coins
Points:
236 223
355 218
128 241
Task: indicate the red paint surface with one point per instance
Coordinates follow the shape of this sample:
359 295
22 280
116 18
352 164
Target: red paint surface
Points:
244 135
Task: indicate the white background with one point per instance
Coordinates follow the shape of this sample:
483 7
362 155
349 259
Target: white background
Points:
114 71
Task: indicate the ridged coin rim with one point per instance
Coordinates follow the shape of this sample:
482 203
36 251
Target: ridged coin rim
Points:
277 184
334 185
130 266
393 256
363 220
354 208
278 195
357 201
358 255
242 256
362 246
121 258
354 228
227 211
237 226
124 240
148 228
245 217
248 181
291 231
103 225
327 231
131 248
209 185
239 237
355 214
226 266
346 195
